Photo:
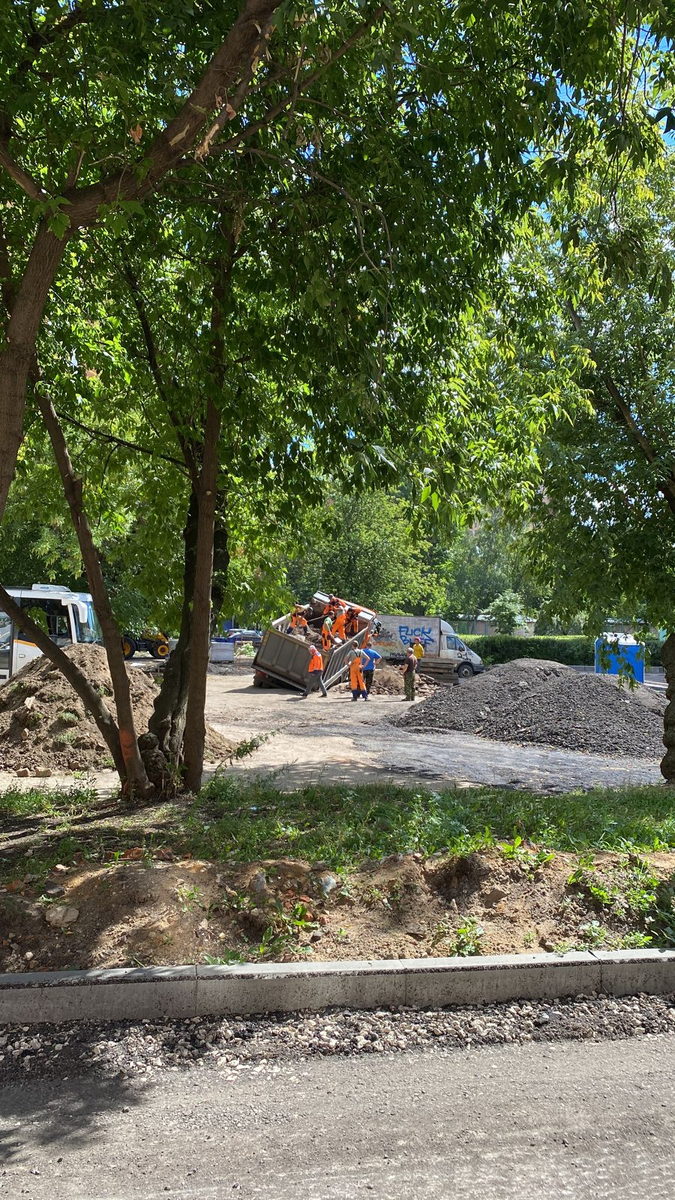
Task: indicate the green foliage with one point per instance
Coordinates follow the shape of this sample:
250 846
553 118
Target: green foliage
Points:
529 860
506 611
484 562
363 547
462 942
571 650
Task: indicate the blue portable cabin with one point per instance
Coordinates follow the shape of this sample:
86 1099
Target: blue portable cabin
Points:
620 653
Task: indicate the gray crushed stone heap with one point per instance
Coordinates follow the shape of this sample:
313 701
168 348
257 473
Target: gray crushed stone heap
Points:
534 700
127 1049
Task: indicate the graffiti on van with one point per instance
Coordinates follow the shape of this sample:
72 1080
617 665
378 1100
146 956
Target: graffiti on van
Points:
407 633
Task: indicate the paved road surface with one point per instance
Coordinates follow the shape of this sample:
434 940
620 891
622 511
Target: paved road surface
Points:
572 1120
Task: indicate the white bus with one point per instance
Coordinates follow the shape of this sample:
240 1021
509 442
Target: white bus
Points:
67 616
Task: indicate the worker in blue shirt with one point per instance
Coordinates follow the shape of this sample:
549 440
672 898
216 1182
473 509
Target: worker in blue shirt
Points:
369 660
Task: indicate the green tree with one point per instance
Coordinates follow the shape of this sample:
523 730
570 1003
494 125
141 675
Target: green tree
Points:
506 610
602 528
363 548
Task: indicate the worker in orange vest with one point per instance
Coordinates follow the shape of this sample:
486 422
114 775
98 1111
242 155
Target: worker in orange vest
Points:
314 674
298 619
352 627
356 680
339 625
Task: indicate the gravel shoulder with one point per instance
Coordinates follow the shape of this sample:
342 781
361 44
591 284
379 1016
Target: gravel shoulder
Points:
501 1121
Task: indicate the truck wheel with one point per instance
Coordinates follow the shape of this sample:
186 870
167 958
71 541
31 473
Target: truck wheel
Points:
160 650
129 646
259 680
465 671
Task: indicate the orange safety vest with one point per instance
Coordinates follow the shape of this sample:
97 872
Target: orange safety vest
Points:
316 661
298 621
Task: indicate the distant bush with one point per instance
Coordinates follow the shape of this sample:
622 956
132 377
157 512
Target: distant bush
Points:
573 650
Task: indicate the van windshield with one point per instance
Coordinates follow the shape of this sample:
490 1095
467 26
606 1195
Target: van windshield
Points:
88 630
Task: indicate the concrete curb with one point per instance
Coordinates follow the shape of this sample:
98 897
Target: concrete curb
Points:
157 992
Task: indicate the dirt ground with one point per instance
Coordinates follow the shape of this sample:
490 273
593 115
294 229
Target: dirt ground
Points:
339 740
157 911
44 725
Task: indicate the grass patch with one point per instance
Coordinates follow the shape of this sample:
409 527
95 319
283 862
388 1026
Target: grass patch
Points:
72 803
344 826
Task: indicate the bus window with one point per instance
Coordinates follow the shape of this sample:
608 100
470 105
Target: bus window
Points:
88 630
5 640
51 616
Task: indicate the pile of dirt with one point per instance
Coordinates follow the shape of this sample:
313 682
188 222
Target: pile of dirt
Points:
43 723
155 908
533 700
388 681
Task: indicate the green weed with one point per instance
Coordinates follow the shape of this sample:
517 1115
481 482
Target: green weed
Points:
530 861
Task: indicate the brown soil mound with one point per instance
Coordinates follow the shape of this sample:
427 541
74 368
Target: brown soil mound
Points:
43 722
533 700
141 911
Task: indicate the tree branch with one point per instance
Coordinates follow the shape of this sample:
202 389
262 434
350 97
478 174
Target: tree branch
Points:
276 109
665 483
24 180
156 370
117 441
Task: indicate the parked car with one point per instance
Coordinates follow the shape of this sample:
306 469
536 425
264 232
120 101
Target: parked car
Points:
244 635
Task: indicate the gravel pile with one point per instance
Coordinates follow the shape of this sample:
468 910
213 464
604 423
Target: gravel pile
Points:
532 700
234 1044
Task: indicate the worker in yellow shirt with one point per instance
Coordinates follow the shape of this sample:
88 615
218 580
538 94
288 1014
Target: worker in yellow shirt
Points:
418 651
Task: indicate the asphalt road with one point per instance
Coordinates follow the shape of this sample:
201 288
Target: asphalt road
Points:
589 1120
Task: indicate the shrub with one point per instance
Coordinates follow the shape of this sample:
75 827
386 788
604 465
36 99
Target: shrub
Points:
573 650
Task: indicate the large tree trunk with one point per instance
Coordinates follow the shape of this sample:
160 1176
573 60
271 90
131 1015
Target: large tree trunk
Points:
135 778
167 723
17 359
221 560
79 682
195 725
668 660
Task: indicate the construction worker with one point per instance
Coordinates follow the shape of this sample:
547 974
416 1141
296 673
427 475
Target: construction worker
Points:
327 639
409 672
356 680
352 627
332 606
339 625
298 620
418 650
314 674
369 660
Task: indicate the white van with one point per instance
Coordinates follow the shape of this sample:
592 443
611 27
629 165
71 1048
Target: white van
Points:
67 616
442 646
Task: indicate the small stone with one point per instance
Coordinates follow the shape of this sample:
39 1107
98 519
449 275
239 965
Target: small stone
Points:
25 736
316 936
548 945
418 932
23 773
327 883
60 868
61 914
29 955
494 896
43 772
53 890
